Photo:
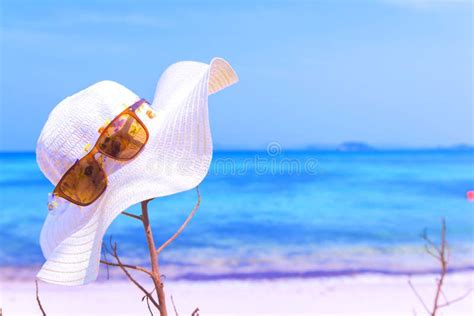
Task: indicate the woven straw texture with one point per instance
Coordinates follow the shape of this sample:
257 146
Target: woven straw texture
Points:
176 158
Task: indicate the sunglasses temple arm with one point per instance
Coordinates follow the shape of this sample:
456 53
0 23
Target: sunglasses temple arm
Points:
137 104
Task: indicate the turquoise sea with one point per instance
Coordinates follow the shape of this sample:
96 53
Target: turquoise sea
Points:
279 214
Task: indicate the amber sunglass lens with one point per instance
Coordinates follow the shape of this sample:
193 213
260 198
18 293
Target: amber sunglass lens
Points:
123 138
84 182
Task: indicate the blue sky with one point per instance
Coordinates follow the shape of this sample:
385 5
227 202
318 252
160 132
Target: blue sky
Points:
388 72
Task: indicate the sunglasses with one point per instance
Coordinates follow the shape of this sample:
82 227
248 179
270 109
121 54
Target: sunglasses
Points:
122 140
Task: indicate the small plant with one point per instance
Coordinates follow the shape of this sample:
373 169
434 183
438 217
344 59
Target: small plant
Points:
441 254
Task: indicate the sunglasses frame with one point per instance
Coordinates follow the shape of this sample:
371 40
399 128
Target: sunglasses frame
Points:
96 149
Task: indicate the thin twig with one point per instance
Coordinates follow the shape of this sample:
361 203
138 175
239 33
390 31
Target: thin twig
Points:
444 296
456 299
38 299
431 253
444 266
141 269
183 226
419 297
132 215
151 293
104 252
108 263
195 312
114 248
442 255
431 244
148 305
174 306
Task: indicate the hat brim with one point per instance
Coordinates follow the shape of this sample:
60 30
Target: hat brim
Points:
175 159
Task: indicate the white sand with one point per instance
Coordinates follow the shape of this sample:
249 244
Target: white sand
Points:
358 295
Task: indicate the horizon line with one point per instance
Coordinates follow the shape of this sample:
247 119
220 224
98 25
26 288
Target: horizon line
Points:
463 147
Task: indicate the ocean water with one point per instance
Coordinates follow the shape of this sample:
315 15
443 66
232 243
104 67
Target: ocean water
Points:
270 214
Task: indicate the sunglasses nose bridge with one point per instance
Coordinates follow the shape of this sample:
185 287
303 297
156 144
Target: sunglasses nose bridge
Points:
97 155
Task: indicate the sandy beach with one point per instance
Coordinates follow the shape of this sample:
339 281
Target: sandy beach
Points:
349 295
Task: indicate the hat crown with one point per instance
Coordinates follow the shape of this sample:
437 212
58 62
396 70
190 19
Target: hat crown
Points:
73 126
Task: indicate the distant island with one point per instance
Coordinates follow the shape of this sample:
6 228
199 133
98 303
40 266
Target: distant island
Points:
355 146
459 147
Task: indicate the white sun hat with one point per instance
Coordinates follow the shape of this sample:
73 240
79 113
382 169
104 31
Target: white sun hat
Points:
175 158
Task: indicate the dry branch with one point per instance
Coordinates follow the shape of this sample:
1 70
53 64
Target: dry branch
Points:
113 252
449 302
38 299
154 274
148 305
183 226
155 269
440 253
174 306
419 297
444 266
132 215
104 253
129 266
